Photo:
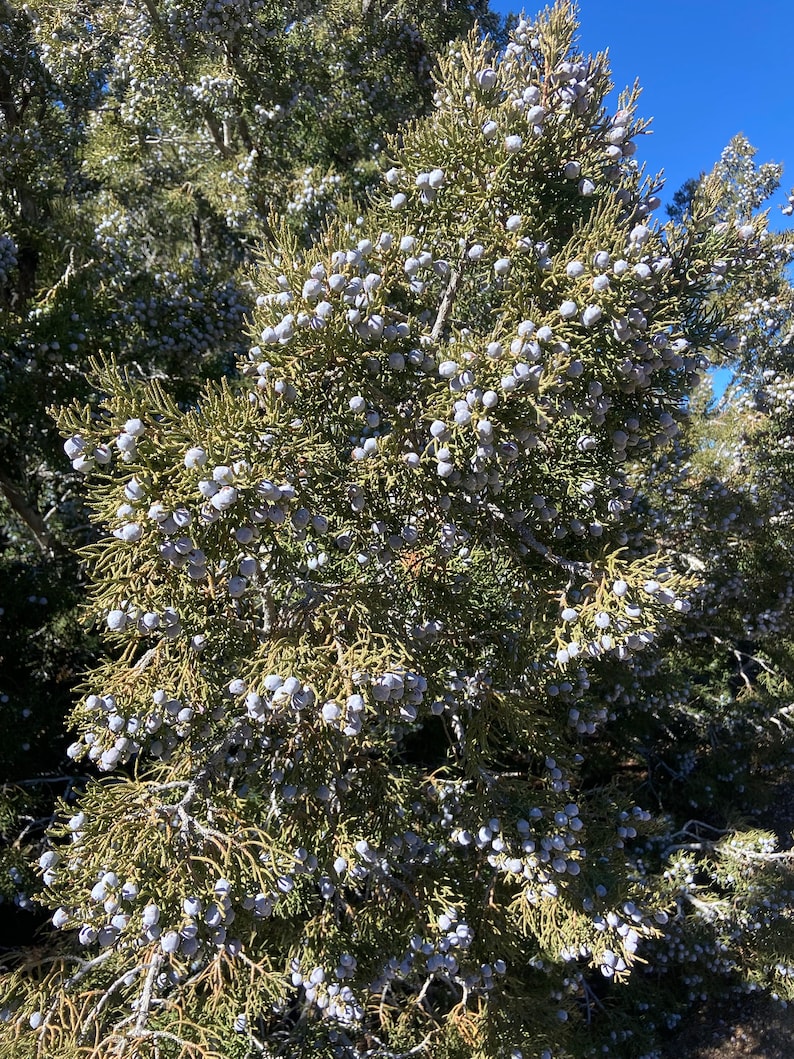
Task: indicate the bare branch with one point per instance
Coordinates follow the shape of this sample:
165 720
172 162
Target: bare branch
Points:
145 1002
28 514
447 301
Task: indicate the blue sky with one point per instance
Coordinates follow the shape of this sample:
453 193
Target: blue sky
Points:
709 69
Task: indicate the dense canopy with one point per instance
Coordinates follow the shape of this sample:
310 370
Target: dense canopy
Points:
441 661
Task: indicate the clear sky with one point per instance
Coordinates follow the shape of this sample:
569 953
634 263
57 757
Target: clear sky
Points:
708 68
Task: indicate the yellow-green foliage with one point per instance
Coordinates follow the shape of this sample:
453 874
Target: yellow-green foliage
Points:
400 635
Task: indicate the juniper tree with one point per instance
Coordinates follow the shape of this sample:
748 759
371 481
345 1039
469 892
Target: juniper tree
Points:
385 613
133 128
715 733
128 130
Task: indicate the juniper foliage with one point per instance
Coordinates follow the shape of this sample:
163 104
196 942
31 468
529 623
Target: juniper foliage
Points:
435 711
144 145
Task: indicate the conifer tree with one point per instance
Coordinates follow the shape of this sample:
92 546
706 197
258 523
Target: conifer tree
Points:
144 145
148 142
405 621
714 728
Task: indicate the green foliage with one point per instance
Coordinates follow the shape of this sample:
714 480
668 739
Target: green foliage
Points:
140 167
447 654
